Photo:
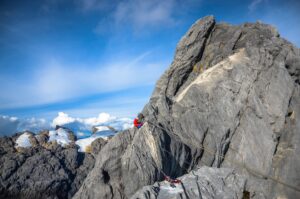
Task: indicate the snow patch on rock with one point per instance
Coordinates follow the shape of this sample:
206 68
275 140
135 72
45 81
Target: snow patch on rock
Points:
23 140
84 143
60 136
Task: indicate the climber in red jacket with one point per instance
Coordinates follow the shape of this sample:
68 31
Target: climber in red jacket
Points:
139 121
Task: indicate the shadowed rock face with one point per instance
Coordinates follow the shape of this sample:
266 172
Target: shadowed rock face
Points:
38 172
232 89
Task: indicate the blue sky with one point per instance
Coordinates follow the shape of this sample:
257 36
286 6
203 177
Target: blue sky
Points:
84 57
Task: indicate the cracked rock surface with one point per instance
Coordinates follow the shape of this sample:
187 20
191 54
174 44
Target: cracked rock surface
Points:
39 172
230 99
205 182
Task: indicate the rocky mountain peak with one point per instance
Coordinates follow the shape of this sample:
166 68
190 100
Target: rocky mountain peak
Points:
225 102
223 118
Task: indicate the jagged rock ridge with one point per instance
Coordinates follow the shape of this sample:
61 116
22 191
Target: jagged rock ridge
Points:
45 170
233 89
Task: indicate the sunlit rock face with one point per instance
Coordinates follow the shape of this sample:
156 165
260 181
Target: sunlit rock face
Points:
232 90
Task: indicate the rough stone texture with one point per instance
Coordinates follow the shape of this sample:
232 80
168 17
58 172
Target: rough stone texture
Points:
33 141
286 161
211 183
242 103
36 172
6 145
43 137
97 145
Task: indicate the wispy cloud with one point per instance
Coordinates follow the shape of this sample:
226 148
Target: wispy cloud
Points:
118 106
254 4
8 125
11 125
140 14
57 81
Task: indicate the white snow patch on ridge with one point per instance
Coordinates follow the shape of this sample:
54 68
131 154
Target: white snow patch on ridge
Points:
60 136
85 142
23 140
102 132
82 127
102 128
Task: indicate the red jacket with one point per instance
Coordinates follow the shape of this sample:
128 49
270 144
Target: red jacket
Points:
137 123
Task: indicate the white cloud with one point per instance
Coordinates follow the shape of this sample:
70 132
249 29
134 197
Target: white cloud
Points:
54 80
80 126
142 13
86 124
102 118
57 81
115 76
8 125
62 119
253 5
33 124
18 93
11 125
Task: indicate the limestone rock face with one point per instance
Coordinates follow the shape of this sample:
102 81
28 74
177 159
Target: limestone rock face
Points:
230 99
97 145
205 182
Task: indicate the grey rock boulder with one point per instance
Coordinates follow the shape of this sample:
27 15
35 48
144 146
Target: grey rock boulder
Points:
205 182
